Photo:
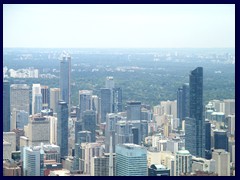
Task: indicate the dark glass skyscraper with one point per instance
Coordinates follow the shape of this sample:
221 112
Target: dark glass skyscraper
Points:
6 106
220 140
65 78
62 128
194 130
89 123
105 103
133 110
208 140
183 102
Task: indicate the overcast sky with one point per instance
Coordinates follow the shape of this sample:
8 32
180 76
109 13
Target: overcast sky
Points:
119 26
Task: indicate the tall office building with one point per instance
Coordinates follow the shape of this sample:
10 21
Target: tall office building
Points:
89 123
19 97
109 82
45 97
229 106
100 165
85 101
133 110
33 161
54 98
96 107
220 139
65 78
38 130
62 128
106 105
123 132
231 124
131 160
117 100
208 140
6 106
183 102
36 99
194 124
222 159
183 162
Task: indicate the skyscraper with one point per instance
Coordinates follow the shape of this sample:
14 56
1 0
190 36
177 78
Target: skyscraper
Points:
183 162
62 128
19 97
6 106
65 78
45 97
222 159
89 123
220 139
117 100
133 110
38 130
183 102
105 103
208 140
85 101
131 160
36 99
54 98
194 124
33 162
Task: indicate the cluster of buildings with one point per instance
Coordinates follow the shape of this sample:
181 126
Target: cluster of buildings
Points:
45 135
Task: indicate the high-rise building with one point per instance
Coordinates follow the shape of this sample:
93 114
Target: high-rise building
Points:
45 97
231 124
183 102
131 160
229 106
123 132
10 137
220 139
36 99
62 128
33 161
65 78
109 82
85 101
208 140
11 168
96 107
78 127
6 106
54 98
194 124
133 110
38 130
19 97
89 123
53 129
19 119
183 162
100 165
222 159
117 100
106 105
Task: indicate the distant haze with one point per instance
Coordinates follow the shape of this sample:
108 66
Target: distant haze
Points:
119 26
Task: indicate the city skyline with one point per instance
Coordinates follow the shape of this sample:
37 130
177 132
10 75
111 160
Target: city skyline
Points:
119 26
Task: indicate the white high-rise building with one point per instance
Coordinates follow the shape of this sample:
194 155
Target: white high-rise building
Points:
183 162
36 99
54 98
222 159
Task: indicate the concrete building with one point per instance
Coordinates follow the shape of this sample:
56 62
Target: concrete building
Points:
10 137
19 97
85 101
100 165
201 164
45 97
11 169
183 162
222 159
36 99
54 98
38 130
133 110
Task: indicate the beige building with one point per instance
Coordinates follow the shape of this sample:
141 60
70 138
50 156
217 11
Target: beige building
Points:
54 98
222 159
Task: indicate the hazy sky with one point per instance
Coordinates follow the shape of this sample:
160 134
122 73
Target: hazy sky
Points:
119 26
